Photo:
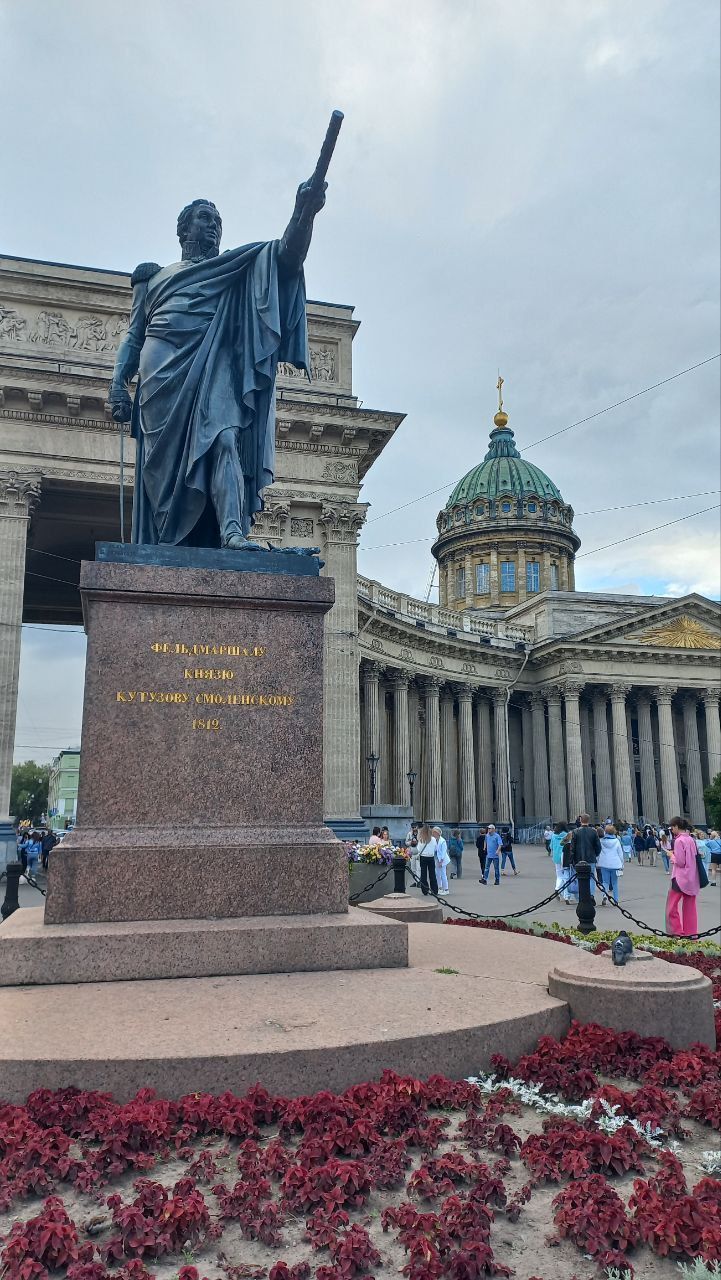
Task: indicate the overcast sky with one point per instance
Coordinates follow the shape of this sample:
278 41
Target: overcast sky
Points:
528 185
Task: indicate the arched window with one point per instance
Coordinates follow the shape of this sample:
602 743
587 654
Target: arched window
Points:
532 507
505 507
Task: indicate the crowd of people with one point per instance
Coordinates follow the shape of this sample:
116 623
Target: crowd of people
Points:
34 848
690 857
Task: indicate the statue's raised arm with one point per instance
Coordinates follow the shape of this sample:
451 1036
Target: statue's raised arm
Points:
309 201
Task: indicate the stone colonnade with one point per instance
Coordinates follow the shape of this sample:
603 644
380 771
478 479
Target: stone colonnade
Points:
612 750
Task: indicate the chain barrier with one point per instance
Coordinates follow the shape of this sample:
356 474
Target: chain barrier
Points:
509 915
32 881
367 887
657 933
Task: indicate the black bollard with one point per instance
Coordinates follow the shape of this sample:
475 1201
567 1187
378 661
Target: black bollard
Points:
13 872
399 874
586 909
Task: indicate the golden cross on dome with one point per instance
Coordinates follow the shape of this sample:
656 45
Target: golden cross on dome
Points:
499 386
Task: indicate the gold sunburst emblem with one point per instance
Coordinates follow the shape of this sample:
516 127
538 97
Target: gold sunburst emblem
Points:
682 633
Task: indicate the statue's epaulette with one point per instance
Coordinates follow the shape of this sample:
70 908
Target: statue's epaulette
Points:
143 272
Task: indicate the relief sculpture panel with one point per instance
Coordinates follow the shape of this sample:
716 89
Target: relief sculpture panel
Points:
62 332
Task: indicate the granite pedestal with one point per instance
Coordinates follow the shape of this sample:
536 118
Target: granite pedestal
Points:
201 775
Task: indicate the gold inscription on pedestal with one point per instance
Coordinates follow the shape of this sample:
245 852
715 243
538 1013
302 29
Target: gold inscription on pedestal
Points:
209 650
207 673
206 724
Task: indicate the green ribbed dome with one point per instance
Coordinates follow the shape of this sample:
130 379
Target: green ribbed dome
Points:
503 471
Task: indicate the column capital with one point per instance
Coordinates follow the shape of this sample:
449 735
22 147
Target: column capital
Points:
689 699
553 694
430 686
710 697
572 688
398 677
343 521
537 700
599 693
371 670
19 493
499 697
644 695
481 695
664 693
619 692
463 692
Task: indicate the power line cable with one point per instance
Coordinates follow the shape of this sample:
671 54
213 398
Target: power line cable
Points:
643 532
654 386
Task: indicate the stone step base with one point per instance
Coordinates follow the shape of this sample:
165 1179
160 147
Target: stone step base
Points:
33 953
296 1033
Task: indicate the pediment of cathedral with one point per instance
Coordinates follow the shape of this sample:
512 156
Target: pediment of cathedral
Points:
693 622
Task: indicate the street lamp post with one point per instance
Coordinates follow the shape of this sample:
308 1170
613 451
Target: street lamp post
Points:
373 761
514 784
411 776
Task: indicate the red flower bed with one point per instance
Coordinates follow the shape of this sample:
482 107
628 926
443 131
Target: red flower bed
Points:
426 1178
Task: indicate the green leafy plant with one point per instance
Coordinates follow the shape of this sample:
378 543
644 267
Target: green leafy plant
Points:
445 970
712 797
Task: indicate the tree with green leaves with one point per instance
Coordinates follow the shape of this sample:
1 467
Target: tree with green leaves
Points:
712 796
29 790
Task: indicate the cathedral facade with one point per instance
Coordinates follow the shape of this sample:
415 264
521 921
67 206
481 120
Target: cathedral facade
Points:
516 697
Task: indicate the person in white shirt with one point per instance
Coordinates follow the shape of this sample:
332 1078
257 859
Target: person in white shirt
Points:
443 858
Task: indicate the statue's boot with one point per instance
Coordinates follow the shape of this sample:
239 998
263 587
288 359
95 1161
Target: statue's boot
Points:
227 487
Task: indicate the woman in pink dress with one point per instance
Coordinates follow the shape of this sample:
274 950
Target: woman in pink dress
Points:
681 916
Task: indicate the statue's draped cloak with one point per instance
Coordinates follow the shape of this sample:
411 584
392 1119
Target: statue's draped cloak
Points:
214 333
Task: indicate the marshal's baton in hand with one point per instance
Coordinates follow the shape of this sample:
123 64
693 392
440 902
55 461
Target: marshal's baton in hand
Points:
326 151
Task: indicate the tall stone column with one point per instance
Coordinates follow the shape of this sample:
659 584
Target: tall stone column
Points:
527 747
649 791
449 757
341 524
540 758
713 731
559 800
574 750
586 753
694 778
671 799
604 789
466 776
500 733
19 492
484 761
401 740
623 782
433 790
370 675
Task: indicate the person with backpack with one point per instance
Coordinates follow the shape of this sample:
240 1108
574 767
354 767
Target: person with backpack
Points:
455 850
610 864
585 846
507 850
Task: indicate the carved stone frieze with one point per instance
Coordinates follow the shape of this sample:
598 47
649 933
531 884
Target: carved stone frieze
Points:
323 364
301 527
60 330
340 471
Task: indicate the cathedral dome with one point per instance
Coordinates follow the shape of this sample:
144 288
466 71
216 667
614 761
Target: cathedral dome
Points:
503 471
505 532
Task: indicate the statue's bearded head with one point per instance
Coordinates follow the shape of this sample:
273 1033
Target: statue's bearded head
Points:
199 230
